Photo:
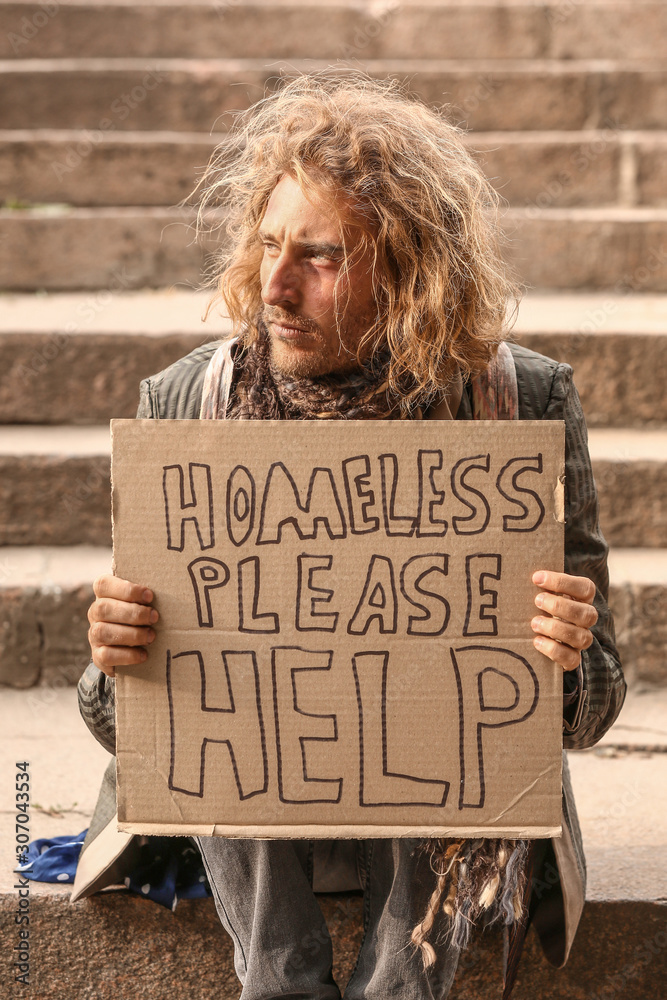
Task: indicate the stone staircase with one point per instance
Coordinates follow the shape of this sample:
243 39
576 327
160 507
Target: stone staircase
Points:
110 111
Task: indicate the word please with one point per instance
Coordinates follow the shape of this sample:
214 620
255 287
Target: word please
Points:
420 581
360 498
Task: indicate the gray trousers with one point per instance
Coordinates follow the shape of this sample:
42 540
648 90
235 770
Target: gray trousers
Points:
282 948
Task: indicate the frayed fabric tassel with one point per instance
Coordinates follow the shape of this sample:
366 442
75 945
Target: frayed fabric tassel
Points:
474 879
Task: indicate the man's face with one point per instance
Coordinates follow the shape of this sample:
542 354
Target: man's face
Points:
303 254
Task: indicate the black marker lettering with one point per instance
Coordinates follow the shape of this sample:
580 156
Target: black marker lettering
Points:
477 520
296 727
356 474
240 505
282 505
308 619
378 785
433 605
206 574
250 618
479 710
378 599
394 524
235 720
480 568
199 499
429 497
533 510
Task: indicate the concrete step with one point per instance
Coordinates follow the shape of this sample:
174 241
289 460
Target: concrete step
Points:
615 343
54 485
194 95
135 949
45 593
59 248
638 599
341 30
579 249
114 249
608 166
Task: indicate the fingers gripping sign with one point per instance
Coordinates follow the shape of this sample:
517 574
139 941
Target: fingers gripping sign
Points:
120 619
567 616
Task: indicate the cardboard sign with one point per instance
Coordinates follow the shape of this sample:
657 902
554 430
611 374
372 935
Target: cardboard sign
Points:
344 646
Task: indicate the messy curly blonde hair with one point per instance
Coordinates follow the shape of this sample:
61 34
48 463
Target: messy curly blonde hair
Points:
442 289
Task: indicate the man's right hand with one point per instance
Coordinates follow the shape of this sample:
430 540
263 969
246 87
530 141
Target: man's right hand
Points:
120 618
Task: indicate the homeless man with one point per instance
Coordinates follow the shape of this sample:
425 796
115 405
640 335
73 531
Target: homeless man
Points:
364 281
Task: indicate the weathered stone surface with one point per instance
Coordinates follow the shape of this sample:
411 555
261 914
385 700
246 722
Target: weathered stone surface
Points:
20 639
98 248
640 616
333 30
632 502
44 635
550 170
278 30
633 99
618 376
605 30
64 500
81 378
61 500
62 378
126 94
45 594
213 30
135 949
193 95
652 171
624 250
91 167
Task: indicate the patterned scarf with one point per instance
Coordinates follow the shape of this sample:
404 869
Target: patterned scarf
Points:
482 880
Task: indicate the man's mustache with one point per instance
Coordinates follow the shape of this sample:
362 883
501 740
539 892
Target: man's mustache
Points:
291 319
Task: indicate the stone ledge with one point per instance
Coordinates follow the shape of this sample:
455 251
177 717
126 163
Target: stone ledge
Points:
116 947
55 490
193 95
58 248
54 379
540 169
45 593
344 29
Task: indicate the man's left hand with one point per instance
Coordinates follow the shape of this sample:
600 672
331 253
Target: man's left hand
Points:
567 615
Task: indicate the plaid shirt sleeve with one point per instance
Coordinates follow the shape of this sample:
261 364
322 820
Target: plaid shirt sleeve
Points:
594 694
96 691
97 704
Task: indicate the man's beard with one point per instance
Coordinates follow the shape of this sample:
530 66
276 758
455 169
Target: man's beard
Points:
319 356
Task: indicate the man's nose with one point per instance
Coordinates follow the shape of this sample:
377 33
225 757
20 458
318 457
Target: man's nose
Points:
281 286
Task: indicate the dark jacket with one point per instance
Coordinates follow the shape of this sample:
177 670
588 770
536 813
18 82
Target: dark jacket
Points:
546 392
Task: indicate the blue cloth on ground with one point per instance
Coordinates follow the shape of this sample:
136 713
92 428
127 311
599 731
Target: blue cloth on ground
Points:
168 869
